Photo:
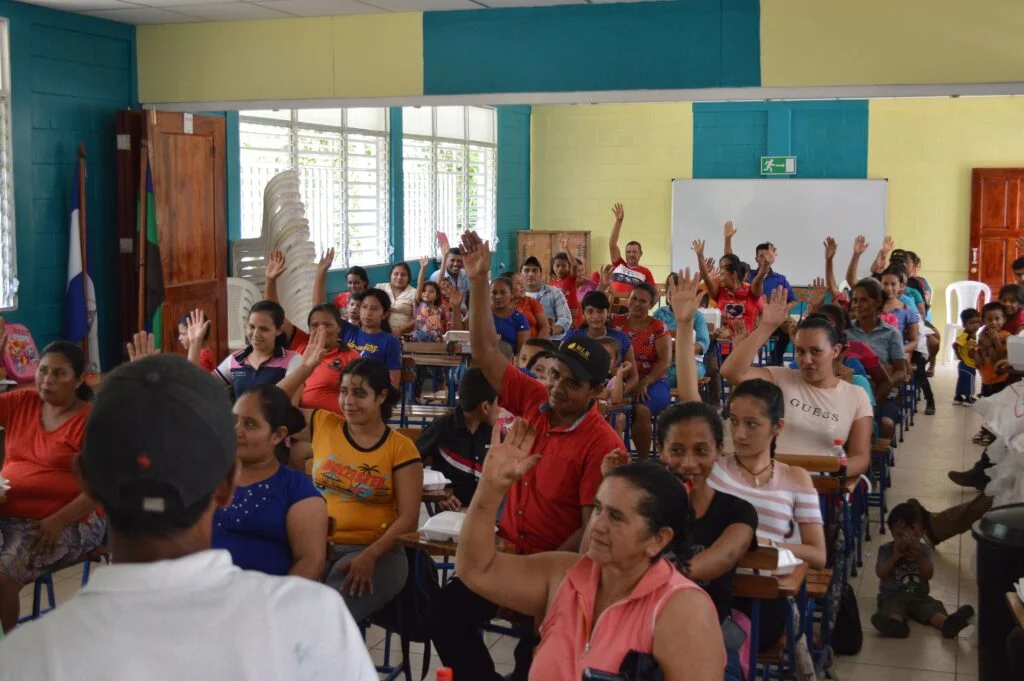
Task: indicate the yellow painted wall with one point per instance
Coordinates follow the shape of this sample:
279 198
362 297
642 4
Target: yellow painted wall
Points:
892 42
372 55
927 148
586 157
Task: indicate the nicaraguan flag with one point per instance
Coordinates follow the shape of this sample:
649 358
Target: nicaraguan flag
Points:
80 320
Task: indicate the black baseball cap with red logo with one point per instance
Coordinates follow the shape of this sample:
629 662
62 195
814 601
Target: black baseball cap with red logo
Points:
160 437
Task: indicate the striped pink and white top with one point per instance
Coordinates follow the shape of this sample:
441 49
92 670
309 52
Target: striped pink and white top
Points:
781 504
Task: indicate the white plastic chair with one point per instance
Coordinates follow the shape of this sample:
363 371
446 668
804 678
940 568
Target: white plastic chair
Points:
967 293
242 295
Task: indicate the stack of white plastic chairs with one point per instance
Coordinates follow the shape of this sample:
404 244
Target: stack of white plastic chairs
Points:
285 229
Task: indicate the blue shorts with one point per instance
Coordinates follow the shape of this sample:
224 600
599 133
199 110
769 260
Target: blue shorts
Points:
658 397
888 409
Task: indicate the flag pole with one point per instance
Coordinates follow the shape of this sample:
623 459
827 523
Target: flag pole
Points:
81 240
143 158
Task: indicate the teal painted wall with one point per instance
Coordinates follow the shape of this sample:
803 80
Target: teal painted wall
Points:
69 75
513 191
829 138
618 46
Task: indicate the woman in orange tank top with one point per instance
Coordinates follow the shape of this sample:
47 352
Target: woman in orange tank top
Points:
621 595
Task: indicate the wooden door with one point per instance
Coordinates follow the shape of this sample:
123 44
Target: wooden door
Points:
189 181
997 211
543 245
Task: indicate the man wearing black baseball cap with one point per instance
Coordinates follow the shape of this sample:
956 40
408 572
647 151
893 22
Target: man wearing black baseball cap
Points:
159 456
550 507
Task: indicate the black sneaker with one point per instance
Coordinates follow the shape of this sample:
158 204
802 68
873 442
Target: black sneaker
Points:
956 622
969 401
973 477
891 628
929 410
958 401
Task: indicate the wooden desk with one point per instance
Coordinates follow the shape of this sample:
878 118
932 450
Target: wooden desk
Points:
770 587
417 541
1013 600
435 360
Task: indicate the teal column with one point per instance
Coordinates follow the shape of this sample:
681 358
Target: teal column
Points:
780 129
396 186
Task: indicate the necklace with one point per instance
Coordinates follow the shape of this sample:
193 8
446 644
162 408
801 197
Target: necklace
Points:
756 476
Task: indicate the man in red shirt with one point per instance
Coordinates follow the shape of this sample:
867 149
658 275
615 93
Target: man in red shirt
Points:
629 272
550 507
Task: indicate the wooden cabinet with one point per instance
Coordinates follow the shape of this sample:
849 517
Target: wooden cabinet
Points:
543 245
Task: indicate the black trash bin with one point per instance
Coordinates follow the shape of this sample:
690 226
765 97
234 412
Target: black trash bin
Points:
1000 537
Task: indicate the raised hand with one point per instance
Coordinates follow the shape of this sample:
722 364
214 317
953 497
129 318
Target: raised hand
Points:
563 243
424 262
443 243
618 212
888 245
456 297
508 461
141 345
831 248
624 370
197 324
682 293
698 248
326 260
712 267
860 245
275 265
476 255
776 309
818 293
737 330
606 276
729 230
315 349
612 460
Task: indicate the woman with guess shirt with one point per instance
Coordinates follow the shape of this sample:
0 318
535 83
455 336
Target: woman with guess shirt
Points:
821 408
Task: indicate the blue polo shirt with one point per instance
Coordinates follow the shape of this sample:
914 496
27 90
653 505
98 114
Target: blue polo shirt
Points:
511 325
772 281
236 371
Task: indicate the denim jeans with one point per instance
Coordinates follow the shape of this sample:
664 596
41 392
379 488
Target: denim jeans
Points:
965 381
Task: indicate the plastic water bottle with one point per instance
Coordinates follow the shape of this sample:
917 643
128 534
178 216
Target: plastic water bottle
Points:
444 674
837 450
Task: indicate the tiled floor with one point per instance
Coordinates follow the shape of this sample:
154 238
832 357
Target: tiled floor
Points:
935 445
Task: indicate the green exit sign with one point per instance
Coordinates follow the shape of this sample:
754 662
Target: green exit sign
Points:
778 165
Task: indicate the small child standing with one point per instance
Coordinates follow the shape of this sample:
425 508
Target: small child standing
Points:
991 348
964 346
905 566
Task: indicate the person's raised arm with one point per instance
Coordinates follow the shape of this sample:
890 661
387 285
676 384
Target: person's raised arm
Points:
613 238
306 527
860 246
483 337
455 309
143 344
604 282
320 282
311 358
737 368
816 296
421 280
196 328
757 286
882 259
275 268
831 248
521 583
683 294
728 232
705 273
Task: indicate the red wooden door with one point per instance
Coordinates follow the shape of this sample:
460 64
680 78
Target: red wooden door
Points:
997 213
189 181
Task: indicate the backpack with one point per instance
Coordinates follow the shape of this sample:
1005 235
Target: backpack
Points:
21 358
408 613
847 636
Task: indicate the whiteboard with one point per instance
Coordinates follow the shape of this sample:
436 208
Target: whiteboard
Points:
795 215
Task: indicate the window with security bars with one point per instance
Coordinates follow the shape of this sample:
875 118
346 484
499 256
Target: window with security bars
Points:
341 156
450 162
8 259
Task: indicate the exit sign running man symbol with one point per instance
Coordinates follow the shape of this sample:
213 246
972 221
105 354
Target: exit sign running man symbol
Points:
778 165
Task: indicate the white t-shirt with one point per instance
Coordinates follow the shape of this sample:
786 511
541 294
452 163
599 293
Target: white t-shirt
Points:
817 417
198 618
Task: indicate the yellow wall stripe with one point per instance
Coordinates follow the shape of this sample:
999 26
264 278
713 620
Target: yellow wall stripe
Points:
882 42
325 57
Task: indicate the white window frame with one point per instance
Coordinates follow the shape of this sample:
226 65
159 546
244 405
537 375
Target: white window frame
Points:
343 256
8 252
489 231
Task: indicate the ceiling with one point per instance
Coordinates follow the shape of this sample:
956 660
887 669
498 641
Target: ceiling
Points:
186 11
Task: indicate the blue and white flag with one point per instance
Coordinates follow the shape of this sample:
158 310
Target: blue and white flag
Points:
80 320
